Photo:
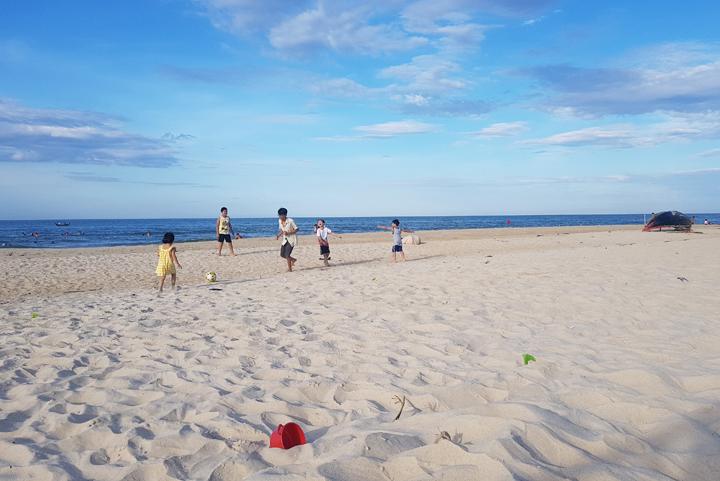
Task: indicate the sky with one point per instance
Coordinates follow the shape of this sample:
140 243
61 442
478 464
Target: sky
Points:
174 108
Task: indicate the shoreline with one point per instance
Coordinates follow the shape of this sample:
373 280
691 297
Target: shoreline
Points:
359 235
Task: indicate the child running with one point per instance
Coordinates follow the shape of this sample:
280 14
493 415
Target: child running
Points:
167 260
323 233
287 230
397 238
223 229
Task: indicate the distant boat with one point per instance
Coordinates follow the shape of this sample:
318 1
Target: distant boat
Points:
62 224
671 219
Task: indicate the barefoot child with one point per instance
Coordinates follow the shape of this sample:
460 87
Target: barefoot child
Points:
323 233
287 230
167 260
397 238
223 229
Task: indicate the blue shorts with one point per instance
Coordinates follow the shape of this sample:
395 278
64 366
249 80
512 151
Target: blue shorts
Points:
397 248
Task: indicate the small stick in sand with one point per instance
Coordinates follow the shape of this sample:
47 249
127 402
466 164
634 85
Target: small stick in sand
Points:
401 402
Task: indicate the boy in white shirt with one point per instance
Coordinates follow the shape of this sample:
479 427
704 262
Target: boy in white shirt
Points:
287 230
323 233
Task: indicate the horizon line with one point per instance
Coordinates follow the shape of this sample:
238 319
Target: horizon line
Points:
56 219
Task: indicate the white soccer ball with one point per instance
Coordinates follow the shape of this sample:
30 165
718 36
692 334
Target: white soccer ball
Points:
211 277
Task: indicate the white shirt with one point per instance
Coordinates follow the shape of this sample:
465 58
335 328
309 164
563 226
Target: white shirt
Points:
288 226
323 233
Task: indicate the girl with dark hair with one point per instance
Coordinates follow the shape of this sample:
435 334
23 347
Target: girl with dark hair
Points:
167 260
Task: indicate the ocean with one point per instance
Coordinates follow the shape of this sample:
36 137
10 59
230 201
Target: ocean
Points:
127 232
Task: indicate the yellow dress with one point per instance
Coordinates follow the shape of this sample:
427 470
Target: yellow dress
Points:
165 264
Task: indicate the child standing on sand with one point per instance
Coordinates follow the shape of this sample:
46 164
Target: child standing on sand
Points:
323 233
397 238
223 229
167 260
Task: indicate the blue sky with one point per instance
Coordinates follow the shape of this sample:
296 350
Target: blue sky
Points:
171 108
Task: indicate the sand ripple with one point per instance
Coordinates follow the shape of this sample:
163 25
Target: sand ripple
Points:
189 386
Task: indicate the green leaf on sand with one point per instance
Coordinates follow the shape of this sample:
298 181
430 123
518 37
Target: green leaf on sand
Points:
527 358
34 315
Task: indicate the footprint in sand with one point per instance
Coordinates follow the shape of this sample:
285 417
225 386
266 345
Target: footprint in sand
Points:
13 421
246 362
88 414
138 448
253 392
144 433
58 409
99 458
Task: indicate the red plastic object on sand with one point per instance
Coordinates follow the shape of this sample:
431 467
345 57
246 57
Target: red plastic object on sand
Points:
286 436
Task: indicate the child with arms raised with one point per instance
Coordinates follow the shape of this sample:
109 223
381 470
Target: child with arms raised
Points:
397 238
323 233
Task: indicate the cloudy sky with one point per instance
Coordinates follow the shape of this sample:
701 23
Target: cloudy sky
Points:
171 108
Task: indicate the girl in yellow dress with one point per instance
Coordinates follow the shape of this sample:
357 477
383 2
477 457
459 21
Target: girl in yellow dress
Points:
167 260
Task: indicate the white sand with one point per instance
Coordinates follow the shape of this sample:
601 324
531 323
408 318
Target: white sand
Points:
115 383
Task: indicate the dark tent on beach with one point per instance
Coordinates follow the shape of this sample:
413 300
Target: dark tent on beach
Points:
670 219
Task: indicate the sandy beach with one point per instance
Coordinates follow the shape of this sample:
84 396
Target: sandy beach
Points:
101 379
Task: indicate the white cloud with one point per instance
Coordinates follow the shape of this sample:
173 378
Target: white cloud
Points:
533 21
426 73
383 130
709 153
364 26
393 129
669 77
449 22
615 136
428 84
712 170
70 136
454 21
244 17
439 102
502 129
674 128
536 20
173 137
432 83
344 30
416 99
344 88
55 131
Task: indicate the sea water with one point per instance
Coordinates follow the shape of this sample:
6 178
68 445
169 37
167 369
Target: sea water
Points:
117 232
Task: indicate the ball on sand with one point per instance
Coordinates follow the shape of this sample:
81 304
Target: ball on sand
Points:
211 277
